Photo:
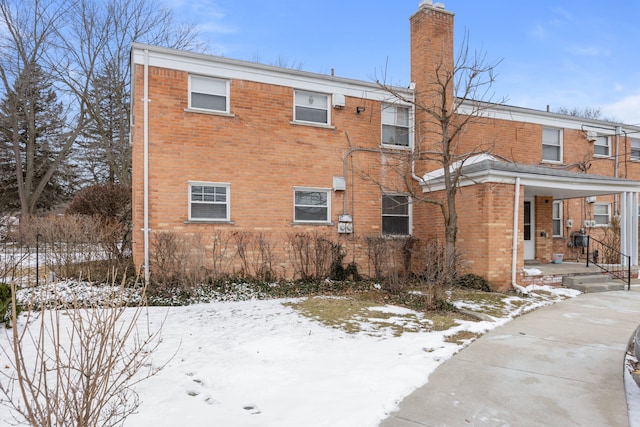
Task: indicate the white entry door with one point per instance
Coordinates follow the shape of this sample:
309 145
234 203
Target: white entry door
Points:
529 229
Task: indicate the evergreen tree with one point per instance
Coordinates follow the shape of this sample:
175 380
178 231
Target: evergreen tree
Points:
34 173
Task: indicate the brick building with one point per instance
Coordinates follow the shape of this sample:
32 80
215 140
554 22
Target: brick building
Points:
221 144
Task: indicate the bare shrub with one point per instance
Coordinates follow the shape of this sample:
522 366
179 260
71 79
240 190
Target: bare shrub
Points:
257 254
437 275
221 254
391 260
610 250
110 205
76 365
74 246
312 255
168 261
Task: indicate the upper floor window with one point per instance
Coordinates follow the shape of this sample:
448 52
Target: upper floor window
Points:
311 107
208 201
635 149
602 213
311 205
396 214
552 144
557 218
395 125
601 146
207 93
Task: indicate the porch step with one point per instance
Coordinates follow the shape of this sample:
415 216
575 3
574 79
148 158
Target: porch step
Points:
592 283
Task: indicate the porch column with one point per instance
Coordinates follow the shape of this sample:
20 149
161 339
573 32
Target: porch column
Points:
629 225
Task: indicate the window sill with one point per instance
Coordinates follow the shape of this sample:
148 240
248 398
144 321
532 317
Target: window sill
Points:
208 221
602 156
395 147
210 112
314 125
307 223
551 162
395 236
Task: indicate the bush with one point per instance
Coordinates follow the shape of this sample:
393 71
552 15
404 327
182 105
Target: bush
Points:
5 304
472 281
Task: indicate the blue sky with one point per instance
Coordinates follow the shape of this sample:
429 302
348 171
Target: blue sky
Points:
562 53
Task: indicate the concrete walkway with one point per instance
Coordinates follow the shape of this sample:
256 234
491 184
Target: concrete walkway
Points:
561 365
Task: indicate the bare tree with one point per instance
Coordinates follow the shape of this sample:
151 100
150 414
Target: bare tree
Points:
82 47
451 96
76 365
105 32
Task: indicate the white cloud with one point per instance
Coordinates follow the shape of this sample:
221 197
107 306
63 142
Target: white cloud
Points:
626 109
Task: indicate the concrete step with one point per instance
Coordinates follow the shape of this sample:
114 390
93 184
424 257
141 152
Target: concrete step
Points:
585 278
598 287
592 283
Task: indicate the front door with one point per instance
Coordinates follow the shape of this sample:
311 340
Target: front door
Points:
529 229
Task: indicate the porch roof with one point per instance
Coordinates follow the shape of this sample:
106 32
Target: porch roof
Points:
538 180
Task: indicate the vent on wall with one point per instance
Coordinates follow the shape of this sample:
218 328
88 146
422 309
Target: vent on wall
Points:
338 100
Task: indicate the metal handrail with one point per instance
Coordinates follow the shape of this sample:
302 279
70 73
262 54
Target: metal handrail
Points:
609 260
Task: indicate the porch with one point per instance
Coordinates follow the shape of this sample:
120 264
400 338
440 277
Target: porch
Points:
575 275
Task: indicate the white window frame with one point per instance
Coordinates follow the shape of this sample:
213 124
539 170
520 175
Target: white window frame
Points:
556 219
327 191
227 201
389 119
311 95
599 143
408 215
635 149
559 144
608 214
213 91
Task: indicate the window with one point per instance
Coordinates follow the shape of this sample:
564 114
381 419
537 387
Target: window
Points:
635 149
395 125
557 218
311 107
601 213
209 94
601 146
311 205
396 214
209 202
552 145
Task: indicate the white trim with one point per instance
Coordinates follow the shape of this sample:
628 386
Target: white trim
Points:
225 68
409 213
312 189
560 218
209 110
226 185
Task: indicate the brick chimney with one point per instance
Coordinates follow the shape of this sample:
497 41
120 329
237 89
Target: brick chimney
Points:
431 53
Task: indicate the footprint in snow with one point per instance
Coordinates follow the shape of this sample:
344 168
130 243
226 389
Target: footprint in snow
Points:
253 409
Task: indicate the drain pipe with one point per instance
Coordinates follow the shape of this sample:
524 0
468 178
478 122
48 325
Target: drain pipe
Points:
145 101
514 245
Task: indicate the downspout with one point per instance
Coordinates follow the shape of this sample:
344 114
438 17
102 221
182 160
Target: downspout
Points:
514 244
146 165
616 202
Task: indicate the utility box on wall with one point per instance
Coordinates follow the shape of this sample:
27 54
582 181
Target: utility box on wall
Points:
345 224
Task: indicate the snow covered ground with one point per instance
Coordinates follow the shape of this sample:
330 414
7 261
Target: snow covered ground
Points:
263 363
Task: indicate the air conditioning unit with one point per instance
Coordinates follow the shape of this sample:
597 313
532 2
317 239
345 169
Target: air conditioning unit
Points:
592 136
590 199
